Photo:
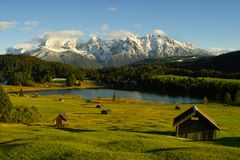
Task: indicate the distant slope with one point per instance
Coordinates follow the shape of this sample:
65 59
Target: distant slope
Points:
229 62
166 60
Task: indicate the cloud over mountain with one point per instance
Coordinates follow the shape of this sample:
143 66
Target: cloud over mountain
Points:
4 25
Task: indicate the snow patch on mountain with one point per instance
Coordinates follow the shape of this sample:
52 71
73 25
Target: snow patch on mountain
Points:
22 48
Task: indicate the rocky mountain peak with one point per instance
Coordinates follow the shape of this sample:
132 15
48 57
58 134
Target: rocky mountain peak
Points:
115 52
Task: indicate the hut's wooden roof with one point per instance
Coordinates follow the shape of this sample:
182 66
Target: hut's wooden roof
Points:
190 113
63 115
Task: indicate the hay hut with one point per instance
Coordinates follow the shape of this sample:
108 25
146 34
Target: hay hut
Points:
106 111
177 108
61 120
194 124
98 106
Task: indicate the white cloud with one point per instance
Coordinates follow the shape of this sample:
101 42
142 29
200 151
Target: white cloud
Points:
138 25
112 9
219 50
104 27
41 38
27 25
4 25
63 34
31 23
121 34
159 32
23 45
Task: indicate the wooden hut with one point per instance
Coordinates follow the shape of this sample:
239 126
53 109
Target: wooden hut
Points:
194 124
106 111
61 120
98 106
177 108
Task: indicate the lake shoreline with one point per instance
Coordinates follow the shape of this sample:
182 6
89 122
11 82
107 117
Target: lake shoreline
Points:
92 93
16 89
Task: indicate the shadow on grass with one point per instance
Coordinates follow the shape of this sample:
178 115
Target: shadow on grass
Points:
165 149
86 113
15 140
229 141
76 130
169 133
7 147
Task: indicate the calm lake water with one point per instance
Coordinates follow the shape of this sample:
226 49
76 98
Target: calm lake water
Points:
104 93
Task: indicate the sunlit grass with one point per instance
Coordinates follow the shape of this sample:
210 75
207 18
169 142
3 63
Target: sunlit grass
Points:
57 85
209 79
133 130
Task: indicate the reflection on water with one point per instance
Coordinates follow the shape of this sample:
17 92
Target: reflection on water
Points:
104 93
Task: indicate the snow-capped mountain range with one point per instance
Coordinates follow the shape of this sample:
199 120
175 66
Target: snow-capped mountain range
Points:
114 52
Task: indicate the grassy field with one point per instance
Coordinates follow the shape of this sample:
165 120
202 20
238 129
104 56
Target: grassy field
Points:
134 130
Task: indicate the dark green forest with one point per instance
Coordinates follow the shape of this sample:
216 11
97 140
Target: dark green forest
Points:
26 70
144 78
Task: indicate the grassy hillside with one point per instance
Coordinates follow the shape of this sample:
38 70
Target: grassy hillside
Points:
134 130
209 79
228 62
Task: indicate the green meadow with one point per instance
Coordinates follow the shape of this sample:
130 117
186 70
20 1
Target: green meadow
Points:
207 79
133 130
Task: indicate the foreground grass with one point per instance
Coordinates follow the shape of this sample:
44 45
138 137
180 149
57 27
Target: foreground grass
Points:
134 130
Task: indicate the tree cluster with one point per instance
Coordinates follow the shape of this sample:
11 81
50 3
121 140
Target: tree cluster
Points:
26 70
147 79
18 114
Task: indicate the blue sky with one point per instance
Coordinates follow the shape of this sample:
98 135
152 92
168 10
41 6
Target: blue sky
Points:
205 23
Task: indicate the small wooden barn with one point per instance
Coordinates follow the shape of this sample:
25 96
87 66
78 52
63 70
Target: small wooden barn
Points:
177 108
106 111
61 120
194 124
98 106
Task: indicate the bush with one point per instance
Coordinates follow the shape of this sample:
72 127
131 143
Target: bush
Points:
205 100
25 114
30 83
21 93
227 98
5 106
114 97
237 97
89 100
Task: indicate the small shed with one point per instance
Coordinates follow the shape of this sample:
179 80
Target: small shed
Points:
98 106
106 111
177 108
61 120
194 124
61 100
